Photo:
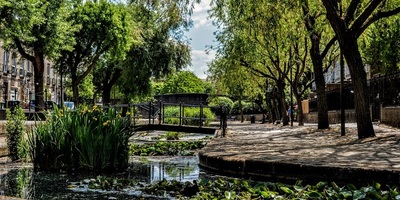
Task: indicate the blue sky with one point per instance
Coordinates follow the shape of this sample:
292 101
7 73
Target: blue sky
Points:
201 35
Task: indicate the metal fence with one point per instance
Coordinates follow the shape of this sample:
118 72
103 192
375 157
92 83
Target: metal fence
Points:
384 90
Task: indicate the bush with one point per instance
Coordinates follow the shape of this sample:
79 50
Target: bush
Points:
88 139
248 108
218 102
15 128
191 115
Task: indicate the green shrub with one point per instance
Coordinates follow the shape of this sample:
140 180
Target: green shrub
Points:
248 108
15 128
88 139
218 102
191 115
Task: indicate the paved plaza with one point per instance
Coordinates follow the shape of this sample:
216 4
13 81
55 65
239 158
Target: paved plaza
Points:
266 151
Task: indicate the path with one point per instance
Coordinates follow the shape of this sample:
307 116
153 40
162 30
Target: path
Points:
264 151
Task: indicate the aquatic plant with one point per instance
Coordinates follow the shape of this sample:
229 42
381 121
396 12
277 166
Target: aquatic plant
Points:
170 135
85 138
183 148
15 128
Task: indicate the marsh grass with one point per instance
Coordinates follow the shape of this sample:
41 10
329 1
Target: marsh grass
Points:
86 139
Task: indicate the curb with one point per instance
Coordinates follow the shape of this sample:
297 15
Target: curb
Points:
287 172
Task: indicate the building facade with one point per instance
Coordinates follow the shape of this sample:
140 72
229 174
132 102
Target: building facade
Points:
17 79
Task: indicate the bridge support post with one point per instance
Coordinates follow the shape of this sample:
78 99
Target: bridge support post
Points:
150 112
180 114
201 115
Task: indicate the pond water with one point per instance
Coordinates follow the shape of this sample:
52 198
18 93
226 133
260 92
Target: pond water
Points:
23 183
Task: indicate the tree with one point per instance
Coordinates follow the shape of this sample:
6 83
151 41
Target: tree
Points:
39 30
316 27
162 49
349 20
106 31
183 82
381 47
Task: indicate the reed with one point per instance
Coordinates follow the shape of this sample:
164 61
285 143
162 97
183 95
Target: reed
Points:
85 139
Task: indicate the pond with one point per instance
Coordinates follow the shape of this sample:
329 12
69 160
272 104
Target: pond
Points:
23 183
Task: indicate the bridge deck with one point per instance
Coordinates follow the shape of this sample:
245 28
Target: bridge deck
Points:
177 128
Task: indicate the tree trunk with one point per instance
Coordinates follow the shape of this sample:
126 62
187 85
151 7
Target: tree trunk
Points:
38 78
322 104
75 92
281 89
106 95
349 46
300 114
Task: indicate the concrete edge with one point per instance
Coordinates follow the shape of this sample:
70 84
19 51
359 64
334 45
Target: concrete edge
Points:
286 172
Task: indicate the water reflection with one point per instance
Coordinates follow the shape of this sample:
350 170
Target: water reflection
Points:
23 183
170 168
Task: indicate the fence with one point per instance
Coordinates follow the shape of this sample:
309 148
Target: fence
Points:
383 90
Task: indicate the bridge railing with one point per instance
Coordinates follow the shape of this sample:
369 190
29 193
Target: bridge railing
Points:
181 114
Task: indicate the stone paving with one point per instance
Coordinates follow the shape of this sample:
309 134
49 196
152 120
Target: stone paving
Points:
265 151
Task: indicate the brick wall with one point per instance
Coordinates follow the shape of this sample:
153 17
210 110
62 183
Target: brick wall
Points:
391 116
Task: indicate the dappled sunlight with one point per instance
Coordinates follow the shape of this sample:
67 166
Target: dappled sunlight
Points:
309 146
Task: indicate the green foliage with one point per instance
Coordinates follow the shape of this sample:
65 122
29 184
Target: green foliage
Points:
183 148
15 128
223 188
247 107
191 115
382 48
183 82
218 102
88 139
172 135
107 32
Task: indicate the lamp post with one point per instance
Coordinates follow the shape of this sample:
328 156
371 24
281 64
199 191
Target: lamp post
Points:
291 96
342 101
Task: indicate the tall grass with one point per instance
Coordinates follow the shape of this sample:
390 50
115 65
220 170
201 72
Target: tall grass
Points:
86 138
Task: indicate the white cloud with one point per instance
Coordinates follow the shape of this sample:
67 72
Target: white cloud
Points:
200 61
201 36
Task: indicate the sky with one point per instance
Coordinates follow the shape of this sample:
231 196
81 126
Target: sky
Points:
201 35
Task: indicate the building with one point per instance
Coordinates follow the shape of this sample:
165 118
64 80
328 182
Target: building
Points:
17 79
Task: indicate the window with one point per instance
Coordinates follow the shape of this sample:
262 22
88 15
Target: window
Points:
14 60
48 69
5 61
22 64
28 67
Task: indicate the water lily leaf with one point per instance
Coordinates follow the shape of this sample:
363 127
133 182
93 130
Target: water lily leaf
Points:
321 185
298 188
335 187
358 194
374 195
377 186
268 194
314 194
230 195
345 194
286 190
351 187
